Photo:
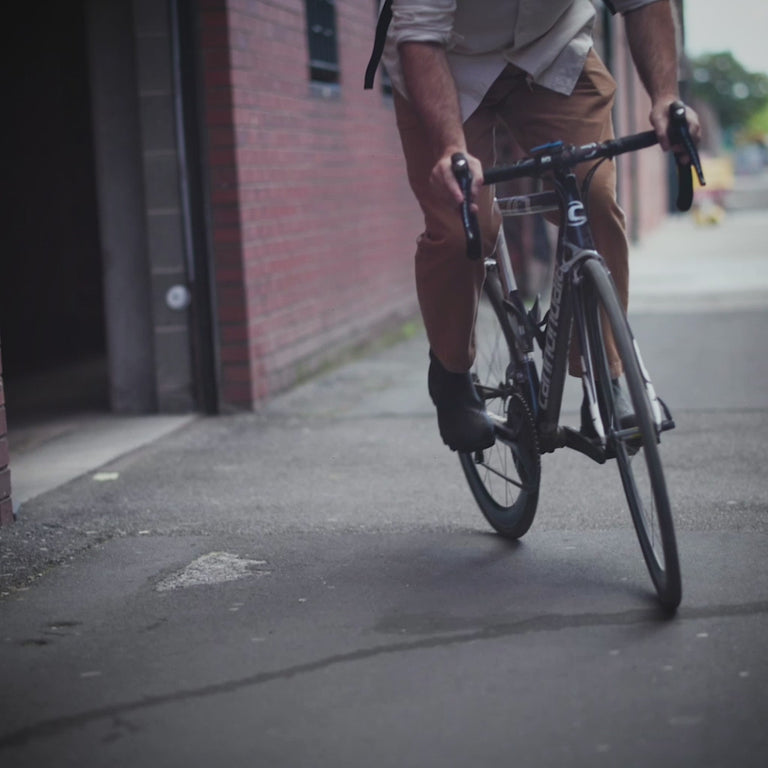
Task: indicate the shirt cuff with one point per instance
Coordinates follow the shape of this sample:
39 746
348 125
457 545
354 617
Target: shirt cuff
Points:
412 22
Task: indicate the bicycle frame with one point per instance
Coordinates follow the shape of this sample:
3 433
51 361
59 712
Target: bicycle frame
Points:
575 245
505 478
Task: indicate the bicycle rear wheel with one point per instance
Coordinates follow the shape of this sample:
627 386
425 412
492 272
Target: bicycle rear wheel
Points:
636 449
503 479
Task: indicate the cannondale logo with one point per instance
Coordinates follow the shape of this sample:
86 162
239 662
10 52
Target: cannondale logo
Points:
576 217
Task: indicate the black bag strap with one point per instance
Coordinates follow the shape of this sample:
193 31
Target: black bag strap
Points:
610 6
378 43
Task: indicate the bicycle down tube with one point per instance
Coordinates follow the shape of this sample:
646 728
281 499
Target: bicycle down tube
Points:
575 244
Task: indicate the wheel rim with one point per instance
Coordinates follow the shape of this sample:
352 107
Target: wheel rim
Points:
636 451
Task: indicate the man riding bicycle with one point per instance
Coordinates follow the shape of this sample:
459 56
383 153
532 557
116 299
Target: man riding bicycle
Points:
459 68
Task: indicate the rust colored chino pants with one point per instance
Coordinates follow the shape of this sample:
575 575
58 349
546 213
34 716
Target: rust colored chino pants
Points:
448 284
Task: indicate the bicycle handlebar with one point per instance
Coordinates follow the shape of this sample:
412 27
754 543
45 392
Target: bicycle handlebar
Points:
460 168
557 155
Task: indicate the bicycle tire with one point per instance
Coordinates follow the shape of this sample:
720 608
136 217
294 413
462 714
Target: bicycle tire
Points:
636 450
505 478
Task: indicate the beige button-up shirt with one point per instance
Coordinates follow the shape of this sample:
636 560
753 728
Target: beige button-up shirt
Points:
548 39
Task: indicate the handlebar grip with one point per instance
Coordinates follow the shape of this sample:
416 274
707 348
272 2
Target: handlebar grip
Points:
679 134
460 168
684 187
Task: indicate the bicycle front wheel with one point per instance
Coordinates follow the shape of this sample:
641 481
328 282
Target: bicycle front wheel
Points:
504 479
636 448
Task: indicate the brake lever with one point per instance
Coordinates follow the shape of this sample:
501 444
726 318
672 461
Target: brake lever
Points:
460 168
680 134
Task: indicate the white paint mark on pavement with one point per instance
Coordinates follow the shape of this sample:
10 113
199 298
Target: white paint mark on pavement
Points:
103 477
213 568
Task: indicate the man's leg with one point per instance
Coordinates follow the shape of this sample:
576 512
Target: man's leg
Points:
537 115
448 286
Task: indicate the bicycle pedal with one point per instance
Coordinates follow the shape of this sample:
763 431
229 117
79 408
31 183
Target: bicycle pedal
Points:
668 422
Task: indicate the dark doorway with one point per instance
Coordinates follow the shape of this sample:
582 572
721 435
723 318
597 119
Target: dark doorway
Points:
51 296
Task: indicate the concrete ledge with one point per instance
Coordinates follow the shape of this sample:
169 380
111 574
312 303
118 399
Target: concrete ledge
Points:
67 448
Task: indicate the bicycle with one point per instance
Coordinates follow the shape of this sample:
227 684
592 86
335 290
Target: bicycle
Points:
524 398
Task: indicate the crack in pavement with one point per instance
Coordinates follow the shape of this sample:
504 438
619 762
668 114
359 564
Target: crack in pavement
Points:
543 623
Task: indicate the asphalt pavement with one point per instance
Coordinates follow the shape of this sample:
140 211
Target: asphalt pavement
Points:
312 584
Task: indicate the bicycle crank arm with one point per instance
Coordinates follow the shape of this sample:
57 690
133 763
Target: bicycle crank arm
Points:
563 437
577 441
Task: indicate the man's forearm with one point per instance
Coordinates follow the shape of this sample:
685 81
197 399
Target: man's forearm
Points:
432 93
653 43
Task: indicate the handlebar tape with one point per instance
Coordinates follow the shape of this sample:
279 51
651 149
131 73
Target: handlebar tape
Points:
460 168
679 134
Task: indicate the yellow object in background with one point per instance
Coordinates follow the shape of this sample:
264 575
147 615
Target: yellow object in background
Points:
718 172
708 205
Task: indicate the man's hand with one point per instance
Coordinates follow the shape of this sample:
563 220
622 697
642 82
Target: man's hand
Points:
432 93
445 184
660 122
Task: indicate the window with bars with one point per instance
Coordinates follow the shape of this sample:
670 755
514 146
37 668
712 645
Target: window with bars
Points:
323 49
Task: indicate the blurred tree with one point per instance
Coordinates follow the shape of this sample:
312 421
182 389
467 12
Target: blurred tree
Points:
735 94
758 123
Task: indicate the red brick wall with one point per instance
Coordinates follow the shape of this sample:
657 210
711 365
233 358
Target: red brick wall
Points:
313 222
6 506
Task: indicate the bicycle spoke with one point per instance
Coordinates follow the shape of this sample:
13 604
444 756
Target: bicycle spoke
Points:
505 477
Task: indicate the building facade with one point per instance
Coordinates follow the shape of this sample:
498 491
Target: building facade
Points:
203 204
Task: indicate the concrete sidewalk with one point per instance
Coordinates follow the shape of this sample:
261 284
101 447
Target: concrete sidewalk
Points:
684 267
681 267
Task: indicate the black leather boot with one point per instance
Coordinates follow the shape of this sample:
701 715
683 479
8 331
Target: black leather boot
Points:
461 417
